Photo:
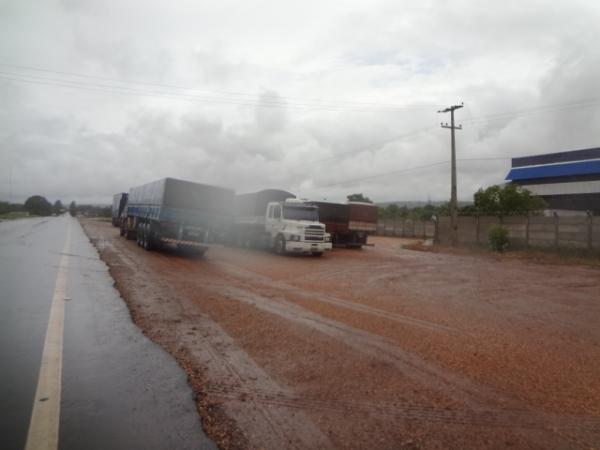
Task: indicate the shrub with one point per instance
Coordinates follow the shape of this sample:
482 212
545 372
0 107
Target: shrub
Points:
498 238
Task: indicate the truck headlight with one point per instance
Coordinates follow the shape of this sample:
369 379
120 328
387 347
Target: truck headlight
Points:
328 237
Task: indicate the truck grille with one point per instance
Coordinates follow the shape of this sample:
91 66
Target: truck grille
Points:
314 233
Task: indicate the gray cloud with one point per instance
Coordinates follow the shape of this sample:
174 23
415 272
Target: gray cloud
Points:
290 96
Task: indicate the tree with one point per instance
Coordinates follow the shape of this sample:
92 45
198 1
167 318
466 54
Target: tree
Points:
73 209
6 207
510 199
359 198
38 205
57 207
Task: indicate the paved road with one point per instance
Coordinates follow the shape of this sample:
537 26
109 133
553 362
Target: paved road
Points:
116 389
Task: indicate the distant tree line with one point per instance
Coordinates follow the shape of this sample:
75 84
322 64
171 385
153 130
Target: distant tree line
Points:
425 212
6 207
38 205
505 200
89 210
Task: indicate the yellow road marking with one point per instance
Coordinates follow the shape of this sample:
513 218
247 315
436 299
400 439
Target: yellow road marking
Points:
45 417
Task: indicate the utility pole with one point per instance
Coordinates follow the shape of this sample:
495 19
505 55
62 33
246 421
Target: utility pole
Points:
453 195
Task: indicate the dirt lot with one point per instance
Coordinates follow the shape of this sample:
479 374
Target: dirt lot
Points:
376 348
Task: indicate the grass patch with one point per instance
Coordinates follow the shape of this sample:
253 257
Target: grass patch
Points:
13 215
538 255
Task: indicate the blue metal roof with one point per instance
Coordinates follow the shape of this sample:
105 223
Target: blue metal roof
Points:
555 170
556 158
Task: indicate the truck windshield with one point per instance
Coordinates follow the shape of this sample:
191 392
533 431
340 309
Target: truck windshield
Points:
300 213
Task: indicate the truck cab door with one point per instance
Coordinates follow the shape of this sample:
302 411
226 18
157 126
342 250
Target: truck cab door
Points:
273 219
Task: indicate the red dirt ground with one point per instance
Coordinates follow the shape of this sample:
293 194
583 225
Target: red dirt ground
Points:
383 347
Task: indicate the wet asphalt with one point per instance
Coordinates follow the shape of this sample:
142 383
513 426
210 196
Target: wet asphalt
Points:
119 390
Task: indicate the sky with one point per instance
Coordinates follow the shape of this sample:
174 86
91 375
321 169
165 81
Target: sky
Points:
321 98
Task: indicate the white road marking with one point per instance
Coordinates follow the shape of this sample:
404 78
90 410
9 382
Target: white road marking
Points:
45 417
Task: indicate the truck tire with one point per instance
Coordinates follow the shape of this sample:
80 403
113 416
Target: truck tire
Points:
140 235
317 253
147 243
280 245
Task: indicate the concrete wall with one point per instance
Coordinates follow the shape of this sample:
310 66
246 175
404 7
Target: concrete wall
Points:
407 228
536 231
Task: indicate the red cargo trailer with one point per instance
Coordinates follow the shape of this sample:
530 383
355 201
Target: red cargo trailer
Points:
349 223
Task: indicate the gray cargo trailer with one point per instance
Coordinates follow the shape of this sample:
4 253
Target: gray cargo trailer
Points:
176 212
118 205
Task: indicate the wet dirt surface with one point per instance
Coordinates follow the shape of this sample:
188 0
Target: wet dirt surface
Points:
376 348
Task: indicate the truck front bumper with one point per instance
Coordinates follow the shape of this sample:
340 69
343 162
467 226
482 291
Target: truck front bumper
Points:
307 247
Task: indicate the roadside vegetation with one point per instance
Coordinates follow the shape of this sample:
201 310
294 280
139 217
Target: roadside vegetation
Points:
39 206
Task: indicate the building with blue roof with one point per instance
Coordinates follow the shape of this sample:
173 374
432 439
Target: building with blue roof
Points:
565 180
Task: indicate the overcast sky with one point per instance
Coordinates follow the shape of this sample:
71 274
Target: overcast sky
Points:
320 98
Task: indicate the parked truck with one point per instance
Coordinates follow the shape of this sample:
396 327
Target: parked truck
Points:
118 205
348 223
276 220
188 215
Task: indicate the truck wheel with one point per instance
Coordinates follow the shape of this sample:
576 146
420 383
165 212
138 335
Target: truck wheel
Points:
280 245
140 235
317 253
147 238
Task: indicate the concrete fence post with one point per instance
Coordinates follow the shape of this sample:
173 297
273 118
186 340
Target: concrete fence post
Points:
436 230
590 229
556 225
527 230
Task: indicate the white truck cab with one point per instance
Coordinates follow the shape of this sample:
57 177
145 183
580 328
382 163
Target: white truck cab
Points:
293 226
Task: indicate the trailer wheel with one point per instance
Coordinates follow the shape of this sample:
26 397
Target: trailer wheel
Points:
147 238
280 245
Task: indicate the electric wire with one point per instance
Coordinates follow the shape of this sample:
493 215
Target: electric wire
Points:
265 97
410 169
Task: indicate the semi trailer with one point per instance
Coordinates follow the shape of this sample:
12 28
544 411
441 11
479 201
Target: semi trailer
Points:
348 223
185 214
275 220
118 205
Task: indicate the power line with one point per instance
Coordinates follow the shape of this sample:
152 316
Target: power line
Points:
36 79
582 103
266 101
384 174
268 97
411 169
